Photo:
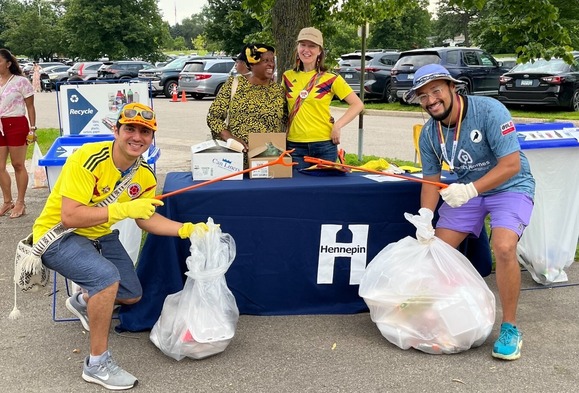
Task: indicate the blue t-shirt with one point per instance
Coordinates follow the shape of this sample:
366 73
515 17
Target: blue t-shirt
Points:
487 134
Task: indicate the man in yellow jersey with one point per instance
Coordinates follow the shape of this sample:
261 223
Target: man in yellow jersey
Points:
100 184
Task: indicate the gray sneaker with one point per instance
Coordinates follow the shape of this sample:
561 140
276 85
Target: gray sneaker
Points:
108 374
77 309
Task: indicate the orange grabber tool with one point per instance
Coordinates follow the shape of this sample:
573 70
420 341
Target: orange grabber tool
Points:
321 162
277 161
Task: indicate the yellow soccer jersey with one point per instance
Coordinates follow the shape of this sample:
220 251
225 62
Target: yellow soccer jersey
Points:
313 120
89 176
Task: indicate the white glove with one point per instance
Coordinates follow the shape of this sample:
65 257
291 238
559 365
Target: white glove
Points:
457 194
423 224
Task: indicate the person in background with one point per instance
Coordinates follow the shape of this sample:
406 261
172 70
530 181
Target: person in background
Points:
16 101
312 131
240 67
36 72
476 137
92 255
258 104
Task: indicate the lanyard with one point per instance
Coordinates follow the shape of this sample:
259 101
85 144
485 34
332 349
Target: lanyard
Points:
458 123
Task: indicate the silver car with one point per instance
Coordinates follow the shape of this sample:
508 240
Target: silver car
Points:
202 78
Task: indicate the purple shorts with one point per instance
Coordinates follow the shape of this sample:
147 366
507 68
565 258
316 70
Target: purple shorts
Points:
510 210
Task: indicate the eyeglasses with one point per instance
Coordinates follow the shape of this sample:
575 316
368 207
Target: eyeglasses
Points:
434 93
144 113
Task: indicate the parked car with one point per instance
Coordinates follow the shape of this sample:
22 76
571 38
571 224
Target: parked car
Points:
377 76
122 69
202 78
507 62
53 74
85 70
479 70
165 79
544 82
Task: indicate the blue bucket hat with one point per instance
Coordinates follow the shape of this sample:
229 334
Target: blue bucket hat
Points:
427 74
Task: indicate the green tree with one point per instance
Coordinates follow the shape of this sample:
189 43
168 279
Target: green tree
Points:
228 23
406 31
120 30
453 20
27 33
532 27
189 29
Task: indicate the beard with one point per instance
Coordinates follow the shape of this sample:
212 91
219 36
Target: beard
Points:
446 113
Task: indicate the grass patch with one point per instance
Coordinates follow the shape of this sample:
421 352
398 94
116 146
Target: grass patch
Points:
45 138
546 114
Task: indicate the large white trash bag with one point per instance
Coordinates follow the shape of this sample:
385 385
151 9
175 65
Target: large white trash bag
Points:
426 295
200 320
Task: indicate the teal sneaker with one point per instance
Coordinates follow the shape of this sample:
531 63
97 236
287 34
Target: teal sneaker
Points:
508 345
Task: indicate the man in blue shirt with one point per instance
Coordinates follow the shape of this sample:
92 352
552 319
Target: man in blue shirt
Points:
476 137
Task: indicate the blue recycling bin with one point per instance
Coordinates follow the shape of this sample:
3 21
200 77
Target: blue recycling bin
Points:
64 146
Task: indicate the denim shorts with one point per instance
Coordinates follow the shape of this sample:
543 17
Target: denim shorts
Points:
510 210
325 150
78 259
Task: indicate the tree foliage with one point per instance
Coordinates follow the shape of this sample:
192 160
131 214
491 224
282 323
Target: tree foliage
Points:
454 20
409 30
119 30
228 23
532 27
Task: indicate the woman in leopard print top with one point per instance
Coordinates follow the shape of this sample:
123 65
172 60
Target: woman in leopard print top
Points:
258 105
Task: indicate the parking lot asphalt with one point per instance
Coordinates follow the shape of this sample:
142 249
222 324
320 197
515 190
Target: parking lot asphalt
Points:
301 353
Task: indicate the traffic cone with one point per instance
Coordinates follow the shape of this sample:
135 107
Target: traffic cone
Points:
183 97
174 98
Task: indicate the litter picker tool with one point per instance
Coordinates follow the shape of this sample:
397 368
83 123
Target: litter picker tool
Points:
277 161
321 162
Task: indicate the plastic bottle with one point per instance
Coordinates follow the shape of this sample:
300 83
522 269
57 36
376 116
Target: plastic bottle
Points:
129 96
30 137
119 98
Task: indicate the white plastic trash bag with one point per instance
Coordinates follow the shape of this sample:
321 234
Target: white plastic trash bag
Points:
200 320
426 295
37 177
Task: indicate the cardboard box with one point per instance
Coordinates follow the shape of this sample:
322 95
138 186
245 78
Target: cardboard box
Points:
264 148
212 159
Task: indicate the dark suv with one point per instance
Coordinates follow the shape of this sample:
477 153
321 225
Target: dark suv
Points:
377 78
165 79
474 66
123 69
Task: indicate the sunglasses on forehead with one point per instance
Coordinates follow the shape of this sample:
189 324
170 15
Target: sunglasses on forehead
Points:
144 113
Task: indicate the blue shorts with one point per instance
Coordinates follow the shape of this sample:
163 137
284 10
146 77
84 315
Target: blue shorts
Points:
325 150
77 258
510 210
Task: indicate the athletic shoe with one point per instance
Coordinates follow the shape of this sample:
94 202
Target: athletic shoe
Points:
78 309
508 345
108 374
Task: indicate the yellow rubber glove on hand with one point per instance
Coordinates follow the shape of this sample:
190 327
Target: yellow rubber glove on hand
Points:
187 229
142 208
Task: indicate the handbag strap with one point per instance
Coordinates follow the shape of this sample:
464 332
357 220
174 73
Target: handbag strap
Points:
59 230
313 81
234 84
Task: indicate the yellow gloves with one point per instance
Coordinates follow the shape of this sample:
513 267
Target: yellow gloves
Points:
187 229
142 208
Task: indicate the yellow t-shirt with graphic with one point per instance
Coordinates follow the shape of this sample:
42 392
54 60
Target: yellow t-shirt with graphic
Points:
89 176
312 122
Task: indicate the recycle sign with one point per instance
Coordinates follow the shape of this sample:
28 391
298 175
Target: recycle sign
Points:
80 111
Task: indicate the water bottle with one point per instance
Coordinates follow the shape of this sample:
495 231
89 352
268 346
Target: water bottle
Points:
30 137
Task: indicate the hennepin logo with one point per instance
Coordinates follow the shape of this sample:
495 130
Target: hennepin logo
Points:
330 249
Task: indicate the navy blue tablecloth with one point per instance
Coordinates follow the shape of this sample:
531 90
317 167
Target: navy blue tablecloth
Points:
277 226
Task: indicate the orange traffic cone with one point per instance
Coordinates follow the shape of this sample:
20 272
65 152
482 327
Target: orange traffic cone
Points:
183 97
174 98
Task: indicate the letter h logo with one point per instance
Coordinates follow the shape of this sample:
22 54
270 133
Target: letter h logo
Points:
330 249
